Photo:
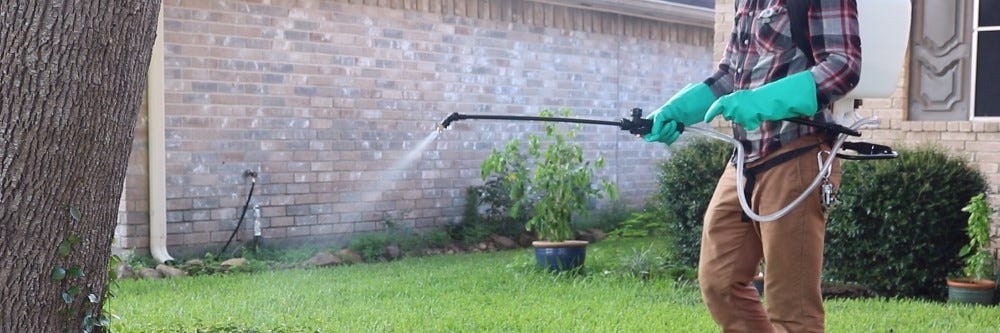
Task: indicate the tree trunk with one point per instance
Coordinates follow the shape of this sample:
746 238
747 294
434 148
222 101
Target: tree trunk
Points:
72 77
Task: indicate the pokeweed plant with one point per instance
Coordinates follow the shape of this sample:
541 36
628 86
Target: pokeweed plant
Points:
977 259
556 181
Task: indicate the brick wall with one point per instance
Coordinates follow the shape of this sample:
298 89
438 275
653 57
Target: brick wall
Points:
976 140
325 99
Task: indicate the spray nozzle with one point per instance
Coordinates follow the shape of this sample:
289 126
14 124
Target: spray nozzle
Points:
447 121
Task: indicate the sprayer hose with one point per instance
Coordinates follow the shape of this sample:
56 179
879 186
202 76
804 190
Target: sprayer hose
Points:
741 160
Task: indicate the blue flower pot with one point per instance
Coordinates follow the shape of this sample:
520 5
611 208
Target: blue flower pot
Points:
560 256
970 291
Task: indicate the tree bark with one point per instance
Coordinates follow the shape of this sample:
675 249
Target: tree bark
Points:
72 77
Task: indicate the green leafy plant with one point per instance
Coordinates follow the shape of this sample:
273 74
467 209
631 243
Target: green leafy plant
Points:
556 181
977 259
644 223
896 229
435 238
642 264
370 246
373 246
686 183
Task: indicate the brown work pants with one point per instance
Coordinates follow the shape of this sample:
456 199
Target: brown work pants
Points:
791 249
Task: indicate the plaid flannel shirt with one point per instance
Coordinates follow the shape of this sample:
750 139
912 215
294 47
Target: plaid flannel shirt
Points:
761 50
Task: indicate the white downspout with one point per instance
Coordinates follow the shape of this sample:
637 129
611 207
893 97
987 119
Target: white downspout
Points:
157 150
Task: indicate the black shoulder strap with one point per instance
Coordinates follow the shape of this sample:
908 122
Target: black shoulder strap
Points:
798 15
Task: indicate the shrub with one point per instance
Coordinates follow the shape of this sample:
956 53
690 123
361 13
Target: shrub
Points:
899 222
686 183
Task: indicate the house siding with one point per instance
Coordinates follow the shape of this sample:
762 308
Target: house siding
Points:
326 98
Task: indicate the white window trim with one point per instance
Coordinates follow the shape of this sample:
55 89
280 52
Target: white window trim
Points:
976 29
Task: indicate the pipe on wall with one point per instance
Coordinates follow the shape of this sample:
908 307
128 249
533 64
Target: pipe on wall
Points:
157 150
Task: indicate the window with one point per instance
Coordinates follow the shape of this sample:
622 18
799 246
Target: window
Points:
986 60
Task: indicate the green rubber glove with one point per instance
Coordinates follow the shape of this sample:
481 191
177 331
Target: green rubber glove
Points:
790 97
687 106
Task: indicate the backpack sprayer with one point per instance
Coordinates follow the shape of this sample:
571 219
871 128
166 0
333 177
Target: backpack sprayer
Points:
884 24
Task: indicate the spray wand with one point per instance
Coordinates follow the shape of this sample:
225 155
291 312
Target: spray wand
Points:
636 125
639 126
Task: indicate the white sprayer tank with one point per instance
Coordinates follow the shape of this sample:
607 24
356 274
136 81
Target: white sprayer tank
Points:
885 35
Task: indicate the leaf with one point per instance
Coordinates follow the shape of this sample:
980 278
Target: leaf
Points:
64 248
58 273
73 291
88 324
75 214
73 239
75 271
93 298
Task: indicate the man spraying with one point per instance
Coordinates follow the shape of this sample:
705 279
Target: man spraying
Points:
764 77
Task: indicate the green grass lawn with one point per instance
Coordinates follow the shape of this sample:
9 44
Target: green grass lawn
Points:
487 292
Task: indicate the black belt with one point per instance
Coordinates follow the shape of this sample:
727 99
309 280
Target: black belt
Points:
751 173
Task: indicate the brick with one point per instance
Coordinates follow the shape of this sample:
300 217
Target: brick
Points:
977 146
988 167
204 226
197 238
273 233
965 126
923 136
283 221
958 136
297 231
988 136
306 220
322 229
988 156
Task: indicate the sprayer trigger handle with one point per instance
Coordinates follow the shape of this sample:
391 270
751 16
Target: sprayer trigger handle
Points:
637 125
